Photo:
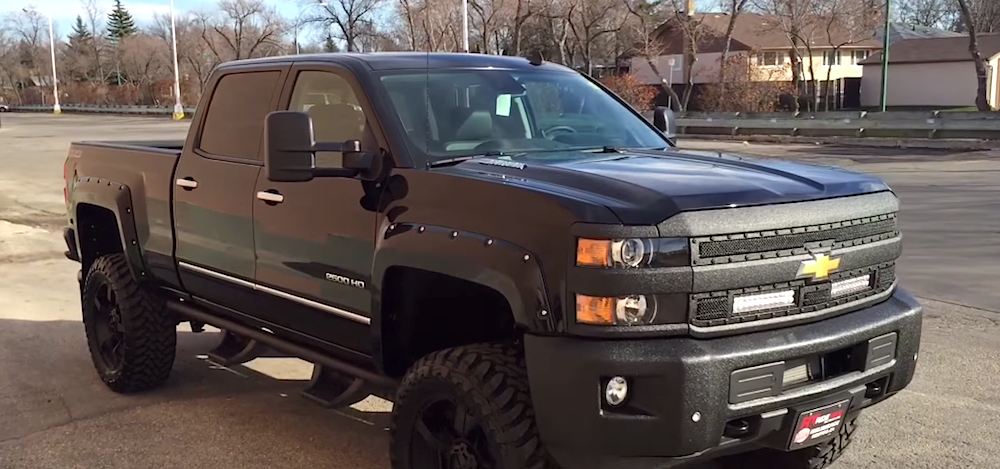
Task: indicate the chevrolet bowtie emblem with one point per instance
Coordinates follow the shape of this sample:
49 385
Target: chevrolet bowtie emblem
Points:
818 267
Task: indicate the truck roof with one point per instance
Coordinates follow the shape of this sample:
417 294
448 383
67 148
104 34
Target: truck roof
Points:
410 61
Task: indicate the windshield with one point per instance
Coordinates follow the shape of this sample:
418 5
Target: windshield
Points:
458 113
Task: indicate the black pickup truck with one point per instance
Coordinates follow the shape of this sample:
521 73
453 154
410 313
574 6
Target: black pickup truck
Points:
524 265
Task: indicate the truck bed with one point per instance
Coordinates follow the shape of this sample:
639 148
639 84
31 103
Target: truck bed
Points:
146 169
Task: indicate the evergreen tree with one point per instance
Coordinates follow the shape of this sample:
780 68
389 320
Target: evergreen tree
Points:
120 22
330 46
80 35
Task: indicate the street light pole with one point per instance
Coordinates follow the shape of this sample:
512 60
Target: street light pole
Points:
465 26
52 48
178 108
885 58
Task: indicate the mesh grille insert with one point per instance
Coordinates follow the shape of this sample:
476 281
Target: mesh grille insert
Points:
754 245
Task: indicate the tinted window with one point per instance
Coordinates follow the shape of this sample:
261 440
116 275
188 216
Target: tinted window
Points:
234 125
334 109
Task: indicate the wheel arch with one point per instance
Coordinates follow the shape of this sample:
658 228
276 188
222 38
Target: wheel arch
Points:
498 271
104 217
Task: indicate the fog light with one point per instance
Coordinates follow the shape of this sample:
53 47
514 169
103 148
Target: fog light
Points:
616 391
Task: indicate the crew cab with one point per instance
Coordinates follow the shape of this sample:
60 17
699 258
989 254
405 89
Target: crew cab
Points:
530 270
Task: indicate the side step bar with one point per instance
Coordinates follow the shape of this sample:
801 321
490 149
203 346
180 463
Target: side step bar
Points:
282 345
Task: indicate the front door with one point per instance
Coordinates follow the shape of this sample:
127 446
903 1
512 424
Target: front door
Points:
315 240
213 191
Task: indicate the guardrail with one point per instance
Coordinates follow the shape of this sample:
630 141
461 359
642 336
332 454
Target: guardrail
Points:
122 110
855 124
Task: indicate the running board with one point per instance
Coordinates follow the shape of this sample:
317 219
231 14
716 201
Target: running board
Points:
235 349
332 389
382 384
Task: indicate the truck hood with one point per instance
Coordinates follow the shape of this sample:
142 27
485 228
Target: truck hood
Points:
645 187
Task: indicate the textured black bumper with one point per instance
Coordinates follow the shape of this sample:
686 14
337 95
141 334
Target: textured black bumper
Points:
673 379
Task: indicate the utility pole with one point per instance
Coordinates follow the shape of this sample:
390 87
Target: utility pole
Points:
885 57
178 108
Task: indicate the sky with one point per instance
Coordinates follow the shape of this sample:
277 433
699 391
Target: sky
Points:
64 12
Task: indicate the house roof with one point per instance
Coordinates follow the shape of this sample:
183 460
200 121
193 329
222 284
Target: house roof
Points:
937 49
757 31
902 32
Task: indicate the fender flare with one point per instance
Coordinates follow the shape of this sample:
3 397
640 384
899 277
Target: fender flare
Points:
509 269
116 197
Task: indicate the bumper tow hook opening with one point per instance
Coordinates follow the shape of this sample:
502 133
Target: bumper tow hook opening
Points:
875 389
737 429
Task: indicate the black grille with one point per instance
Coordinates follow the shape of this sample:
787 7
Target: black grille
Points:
791 241
716 308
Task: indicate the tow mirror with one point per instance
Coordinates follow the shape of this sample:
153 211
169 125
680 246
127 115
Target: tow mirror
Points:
291 151
666 122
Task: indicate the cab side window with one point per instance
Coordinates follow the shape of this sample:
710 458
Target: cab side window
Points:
336 113
235 120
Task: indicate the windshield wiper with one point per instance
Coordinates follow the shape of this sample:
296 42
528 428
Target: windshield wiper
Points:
462 159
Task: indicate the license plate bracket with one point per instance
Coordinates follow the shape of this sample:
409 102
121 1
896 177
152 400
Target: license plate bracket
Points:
815 426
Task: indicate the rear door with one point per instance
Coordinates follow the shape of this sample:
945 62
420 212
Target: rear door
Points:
315 240
214 182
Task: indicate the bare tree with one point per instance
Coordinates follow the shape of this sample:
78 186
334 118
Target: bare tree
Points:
930 13
590 21
646 20
983 16
348 16
844 22
735 9
95 19
242 29
143 61
977 58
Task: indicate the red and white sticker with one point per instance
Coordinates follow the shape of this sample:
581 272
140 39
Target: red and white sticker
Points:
818 424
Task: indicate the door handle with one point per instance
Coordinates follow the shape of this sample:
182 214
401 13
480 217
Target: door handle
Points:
270 197
187 183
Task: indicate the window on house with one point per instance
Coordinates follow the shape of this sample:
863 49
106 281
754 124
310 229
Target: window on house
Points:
831 57
858 55
770 59
678 63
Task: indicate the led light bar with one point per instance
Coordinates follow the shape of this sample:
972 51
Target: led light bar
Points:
851 285
762 301
796 375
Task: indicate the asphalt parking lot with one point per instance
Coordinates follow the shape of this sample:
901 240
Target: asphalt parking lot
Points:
56 414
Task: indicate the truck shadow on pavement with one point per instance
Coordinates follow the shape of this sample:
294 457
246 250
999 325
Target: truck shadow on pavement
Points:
56 413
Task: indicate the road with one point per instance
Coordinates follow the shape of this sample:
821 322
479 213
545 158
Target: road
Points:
55 413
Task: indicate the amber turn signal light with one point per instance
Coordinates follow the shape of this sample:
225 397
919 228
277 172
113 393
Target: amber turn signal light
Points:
599 311
593 252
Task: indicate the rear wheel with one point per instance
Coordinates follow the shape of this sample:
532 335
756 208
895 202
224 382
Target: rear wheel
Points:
816 457
466 408
131 335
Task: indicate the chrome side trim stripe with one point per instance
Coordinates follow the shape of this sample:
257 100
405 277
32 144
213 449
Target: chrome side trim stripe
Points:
315 304
280 294
212 273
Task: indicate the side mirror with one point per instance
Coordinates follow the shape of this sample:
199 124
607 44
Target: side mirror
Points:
291 151
288 141
666 122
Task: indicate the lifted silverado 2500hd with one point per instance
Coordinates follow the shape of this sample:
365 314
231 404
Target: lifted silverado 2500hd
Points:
523 264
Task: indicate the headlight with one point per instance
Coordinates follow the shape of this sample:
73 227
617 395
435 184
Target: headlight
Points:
632 310
632 252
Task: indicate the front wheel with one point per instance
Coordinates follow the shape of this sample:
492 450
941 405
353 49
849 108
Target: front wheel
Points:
466 408
820 456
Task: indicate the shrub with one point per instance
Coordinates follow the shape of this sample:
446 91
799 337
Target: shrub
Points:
629 88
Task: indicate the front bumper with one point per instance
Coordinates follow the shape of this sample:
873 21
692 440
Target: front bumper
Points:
673 379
